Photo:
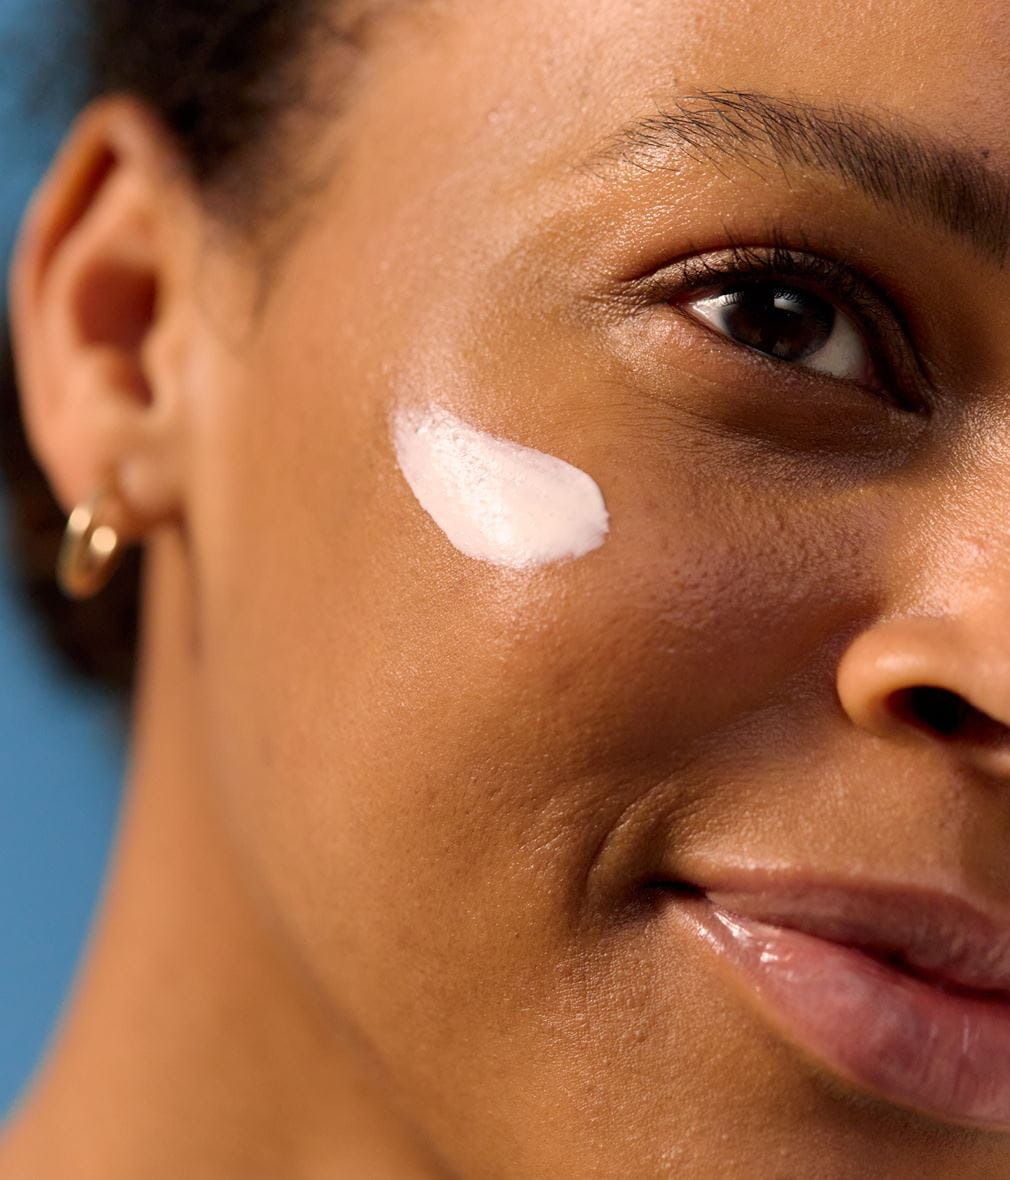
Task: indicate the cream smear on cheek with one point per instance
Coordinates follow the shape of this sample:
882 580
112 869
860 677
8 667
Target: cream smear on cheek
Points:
494 499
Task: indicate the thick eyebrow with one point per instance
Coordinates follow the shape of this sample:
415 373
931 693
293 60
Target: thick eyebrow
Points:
894 163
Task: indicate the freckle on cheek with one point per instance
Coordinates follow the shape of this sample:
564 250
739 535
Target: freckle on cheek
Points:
494 499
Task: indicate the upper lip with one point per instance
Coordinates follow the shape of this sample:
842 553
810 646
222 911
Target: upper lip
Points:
940 936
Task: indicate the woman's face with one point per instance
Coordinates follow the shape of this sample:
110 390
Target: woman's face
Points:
463 785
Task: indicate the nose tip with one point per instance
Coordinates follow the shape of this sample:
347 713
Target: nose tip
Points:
926 679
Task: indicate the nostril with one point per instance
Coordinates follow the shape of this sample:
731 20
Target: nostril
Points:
938 709
944 712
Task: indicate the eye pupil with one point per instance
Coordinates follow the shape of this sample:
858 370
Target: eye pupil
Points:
784 322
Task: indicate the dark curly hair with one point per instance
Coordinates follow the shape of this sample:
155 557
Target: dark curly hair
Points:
219 73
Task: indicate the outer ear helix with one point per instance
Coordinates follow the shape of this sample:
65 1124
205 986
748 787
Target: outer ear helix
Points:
91 549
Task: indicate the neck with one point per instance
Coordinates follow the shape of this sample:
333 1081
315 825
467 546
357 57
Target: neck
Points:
191 1043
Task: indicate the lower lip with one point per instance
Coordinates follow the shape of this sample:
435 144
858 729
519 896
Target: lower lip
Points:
940 1052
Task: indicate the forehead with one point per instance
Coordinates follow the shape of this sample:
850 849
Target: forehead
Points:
575 67
466 141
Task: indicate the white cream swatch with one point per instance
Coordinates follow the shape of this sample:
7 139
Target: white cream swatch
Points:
494 499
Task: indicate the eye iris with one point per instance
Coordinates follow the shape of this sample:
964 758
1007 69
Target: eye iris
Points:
785 322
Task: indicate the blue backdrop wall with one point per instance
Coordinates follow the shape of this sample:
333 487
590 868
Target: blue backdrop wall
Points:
61 744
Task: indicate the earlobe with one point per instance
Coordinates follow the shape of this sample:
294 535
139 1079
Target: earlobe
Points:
95 269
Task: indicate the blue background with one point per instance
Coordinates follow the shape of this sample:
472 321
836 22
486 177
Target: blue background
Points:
61 743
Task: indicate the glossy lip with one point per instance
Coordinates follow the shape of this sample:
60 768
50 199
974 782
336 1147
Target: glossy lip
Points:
936 935
903 991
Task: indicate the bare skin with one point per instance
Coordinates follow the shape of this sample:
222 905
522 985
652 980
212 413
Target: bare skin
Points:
389 808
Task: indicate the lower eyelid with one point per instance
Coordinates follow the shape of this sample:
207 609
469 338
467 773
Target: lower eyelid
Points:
737 393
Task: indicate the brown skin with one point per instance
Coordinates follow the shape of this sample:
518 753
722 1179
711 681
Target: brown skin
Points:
372 911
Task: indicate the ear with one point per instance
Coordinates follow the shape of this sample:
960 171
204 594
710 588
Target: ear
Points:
97 274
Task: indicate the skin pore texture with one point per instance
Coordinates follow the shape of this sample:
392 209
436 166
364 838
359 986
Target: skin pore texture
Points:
382 903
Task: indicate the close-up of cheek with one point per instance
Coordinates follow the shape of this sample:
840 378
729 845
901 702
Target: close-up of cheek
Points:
579 643
593 595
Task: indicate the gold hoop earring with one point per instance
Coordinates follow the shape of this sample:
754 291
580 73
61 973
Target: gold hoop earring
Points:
90 551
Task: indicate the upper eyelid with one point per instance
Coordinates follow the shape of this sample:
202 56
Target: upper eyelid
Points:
692 273
793 264
695 289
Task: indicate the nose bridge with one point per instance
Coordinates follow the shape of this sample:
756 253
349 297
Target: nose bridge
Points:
938 663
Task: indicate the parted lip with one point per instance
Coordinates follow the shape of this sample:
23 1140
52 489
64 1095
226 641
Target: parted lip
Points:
938 936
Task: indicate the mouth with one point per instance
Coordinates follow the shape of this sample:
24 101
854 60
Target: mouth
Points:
904 993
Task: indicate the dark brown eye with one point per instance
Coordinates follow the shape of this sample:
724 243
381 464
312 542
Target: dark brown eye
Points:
787 322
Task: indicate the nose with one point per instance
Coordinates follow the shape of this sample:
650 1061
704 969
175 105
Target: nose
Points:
932 679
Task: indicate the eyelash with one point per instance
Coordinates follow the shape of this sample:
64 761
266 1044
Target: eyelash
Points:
894 360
